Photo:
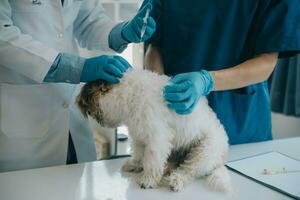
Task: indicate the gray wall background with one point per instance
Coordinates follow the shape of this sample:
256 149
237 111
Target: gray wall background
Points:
284 126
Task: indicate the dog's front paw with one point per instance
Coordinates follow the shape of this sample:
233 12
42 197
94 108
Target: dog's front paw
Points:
148 181
175 182
132 166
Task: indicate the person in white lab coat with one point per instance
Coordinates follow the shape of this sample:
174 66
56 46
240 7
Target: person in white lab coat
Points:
39 71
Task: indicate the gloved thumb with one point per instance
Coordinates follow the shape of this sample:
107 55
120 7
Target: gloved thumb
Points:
142 12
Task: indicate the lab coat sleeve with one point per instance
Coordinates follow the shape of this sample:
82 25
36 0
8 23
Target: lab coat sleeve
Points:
20 52
66 68
280 29
92 26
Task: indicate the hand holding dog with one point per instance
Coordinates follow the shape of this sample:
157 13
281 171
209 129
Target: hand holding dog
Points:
186 89
108 68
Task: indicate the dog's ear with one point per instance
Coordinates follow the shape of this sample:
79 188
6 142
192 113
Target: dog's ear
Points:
82 105
89 95
83 100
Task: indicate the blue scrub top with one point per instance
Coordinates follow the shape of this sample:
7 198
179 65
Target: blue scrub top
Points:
219 34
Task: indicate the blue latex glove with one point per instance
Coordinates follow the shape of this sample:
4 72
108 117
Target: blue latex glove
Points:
186 89
108 68
132 30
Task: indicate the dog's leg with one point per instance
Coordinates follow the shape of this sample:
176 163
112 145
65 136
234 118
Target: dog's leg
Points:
204 159
156 153
134 164
184 174
170 166
174 160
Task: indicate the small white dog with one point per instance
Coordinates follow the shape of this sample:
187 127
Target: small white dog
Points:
179 148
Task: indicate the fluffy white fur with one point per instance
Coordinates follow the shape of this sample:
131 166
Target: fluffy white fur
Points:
179 148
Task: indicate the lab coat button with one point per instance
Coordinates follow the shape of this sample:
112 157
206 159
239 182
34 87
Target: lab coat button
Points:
60 35
65 105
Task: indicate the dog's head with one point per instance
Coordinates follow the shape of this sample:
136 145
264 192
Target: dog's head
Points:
92 101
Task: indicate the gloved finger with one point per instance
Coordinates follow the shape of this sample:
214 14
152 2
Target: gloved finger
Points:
140 22
182 106
117 64
146 37
120 66
151 23
109 78
142 12
188 111
136 30
137 26
113 71
176 97
174 88
179 78
124 62
148 33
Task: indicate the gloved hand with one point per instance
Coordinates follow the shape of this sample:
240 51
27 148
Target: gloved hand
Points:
186 89
108 68
132 30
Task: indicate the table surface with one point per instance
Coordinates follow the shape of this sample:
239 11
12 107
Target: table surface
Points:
103 180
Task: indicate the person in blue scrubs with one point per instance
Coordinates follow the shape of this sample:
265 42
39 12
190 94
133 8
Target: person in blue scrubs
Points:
225 49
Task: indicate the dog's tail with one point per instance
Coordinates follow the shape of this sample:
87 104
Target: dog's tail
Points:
219 180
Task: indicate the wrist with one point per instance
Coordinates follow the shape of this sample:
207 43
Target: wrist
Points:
213 78
209 82
117 41
83 71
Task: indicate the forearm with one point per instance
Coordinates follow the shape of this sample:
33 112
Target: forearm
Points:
153 60
247 73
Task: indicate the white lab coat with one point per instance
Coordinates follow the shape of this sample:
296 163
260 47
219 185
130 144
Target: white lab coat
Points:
35 118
